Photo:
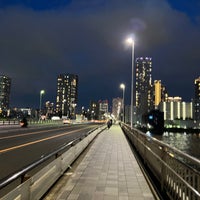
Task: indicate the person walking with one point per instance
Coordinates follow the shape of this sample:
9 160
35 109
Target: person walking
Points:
109 123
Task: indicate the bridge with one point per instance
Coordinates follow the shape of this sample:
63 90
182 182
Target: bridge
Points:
115 163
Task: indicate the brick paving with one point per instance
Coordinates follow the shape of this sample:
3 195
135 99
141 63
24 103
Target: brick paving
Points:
109 171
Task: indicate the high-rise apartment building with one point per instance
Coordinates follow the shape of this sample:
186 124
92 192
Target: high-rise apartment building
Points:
117 107
197 99
98 110
49 109
5 85
94 110
143 85
160 93
67 95
103 108
157 92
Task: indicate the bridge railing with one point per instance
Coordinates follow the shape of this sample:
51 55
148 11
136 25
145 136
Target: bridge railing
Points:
37 122
30 122
9 122
177 172
33 181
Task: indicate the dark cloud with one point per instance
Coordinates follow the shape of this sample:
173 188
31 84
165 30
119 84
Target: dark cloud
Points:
87 38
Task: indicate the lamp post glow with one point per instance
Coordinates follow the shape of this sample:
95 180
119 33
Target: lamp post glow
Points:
131 42
122 86
41 93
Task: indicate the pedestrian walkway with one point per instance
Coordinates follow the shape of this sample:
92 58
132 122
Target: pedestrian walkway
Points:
109 171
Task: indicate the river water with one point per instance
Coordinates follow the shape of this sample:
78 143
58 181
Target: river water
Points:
186 142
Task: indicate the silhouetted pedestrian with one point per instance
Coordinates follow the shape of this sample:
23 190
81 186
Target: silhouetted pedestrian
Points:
109 123
24 122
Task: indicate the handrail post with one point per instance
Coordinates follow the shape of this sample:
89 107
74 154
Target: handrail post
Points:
163 169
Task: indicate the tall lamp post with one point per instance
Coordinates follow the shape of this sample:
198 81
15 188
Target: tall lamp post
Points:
41 93
122 86
131 42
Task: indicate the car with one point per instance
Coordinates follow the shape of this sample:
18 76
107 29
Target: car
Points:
66 121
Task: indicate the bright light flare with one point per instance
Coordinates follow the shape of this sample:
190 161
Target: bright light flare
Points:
122 86
42 91
130 41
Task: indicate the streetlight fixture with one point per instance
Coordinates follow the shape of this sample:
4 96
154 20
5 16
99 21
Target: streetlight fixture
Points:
41 93
131 42
122 86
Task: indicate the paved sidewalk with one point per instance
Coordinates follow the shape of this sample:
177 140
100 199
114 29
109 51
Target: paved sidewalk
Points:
109 171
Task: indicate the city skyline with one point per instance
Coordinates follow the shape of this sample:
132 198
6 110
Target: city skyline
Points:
96 100
40 41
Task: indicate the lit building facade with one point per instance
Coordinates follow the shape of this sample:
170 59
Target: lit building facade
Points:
117 107
49 109
143 85
94 110
5 85
157 94
67 95
160 93
175 109
197 99
98 110
103 108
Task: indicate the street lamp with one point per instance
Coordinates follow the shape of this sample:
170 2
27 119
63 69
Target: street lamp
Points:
41 93
122 86
131 42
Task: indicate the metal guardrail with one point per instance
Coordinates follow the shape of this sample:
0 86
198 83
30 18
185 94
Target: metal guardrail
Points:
9 122
38 122
30 122
177 172
33 181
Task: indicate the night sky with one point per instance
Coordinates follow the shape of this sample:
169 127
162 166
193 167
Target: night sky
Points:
41 39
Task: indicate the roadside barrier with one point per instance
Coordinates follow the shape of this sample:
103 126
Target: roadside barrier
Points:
32 182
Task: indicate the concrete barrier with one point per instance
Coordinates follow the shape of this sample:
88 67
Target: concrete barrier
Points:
38 184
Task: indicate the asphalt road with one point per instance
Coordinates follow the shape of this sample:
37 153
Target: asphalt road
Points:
20 147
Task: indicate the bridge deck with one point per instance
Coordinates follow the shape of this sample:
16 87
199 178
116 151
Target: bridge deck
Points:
108 171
